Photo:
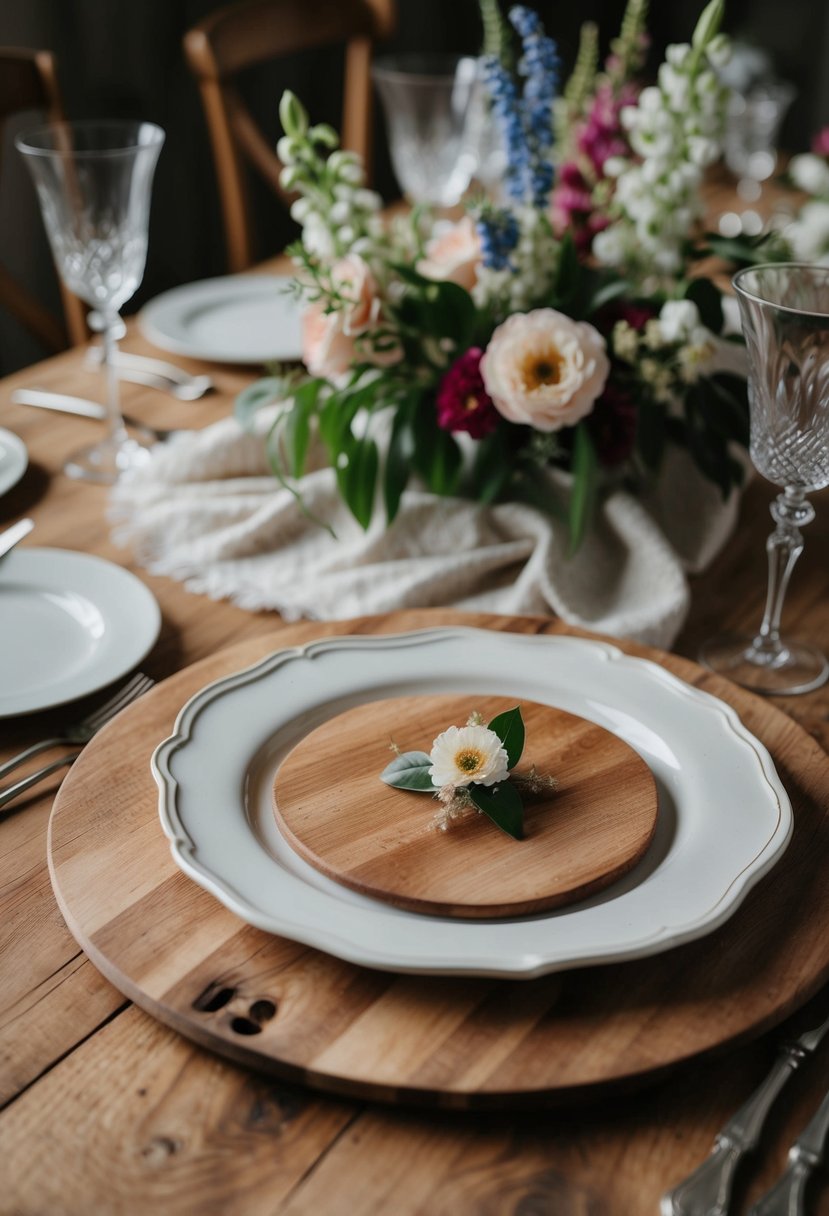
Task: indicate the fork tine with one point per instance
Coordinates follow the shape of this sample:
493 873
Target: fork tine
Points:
132 689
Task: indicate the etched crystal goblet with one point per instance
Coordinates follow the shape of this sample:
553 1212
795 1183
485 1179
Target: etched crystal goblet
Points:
427 100
784 311
93 181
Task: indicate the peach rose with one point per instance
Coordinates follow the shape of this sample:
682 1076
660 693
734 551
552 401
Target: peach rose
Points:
329 340
454 255
545 370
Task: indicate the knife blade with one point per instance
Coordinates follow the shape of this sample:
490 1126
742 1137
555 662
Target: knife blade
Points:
59 401
13 535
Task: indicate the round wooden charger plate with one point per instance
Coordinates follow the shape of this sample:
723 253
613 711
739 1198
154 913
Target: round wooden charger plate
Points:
466 1043
332 806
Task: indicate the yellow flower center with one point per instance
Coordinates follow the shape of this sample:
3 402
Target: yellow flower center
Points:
471 404
540 369
469 760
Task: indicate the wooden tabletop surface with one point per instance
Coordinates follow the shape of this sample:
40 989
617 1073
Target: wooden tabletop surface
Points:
105 1110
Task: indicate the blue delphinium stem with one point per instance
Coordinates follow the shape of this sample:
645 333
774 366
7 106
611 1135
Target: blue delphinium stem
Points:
526 118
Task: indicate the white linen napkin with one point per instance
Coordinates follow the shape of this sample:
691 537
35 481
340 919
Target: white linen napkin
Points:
206 511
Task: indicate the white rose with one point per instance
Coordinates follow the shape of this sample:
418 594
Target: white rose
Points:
545 370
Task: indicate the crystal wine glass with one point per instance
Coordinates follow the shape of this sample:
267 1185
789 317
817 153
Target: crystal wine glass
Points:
784 310
427 101
93 180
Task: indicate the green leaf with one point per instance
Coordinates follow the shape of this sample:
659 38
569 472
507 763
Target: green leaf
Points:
357 478
509 727
398 462
409 771
585 487
490 469
297 433
708 300
651 424
261 392
567 272
502 804
436 456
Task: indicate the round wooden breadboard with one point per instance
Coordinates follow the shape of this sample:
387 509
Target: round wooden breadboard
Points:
332 806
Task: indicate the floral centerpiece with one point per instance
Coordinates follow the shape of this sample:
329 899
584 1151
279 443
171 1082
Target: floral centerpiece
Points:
547 343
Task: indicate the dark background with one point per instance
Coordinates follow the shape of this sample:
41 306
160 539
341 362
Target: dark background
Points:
123 58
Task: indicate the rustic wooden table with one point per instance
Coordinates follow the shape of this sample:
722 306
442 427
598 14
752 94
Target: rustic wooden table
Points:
106 1110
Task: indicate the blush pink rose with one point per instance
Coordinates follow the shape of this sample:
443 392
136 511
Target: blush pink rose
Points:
544 370
330 340
454 255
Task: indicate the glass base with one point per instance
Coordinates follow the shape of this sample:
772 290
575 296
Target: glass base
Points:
105 462
796 668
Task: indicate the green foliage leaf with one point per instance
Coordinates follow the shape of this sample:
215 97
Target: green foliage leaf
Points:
509 727
357 477
490 469
708 300
436 457
255 396
739 251
585 486
502 804
398 462
651 432
409 771
297 432
568 274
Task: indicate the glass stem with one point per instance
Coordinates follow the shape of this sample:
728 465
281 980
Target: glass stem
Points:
117 430
790 511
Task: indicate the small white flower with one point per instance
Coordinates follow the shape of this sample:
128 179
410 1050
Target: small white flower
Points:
810 173
462 755
678 319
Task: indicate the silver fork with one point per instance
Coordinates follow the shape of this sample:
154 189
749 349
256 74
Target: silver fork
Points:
140 369
79 732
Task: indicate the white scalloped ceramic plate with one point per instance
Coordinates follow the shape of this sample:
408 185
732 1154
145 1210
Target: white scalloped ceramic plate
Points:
724 818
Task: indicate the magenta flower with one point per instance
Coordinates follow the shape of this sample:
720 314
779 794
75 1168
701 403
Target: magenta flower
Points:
463 404
820 143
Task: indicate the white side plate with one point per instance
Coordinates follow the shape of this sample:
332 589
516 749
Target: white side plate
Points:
14 460
235 319
70 623
724 818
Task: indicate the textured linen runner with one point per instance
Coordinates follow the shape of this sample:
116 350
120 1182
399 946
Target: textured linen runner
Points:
205 510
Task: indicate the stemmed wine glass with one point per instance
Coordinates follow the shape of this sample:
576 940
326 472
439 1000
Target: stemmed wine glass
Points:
428 101
93 180
784 310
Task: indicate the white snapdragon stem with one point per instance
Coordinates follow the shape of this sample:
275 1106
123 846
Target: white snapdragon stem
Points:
675 130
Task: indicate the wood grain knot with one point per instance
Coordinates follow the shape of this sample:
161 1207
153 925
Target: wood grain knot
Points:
214 997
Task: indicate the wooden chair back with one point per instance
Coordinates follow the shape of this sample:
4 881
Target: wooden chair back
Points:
252 32
28 81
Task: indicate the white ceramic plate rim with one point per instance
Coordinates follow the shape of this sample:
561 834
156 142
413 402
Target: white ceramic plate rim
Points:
15 459
161 320
689 883
129 609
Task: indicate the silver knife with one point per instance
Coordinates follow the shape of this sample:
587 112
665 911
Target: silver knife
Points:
59 401
787 1196
707 1191
13 535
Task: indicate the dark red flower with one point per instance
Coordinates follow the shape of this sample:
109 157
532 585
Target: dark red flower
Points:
463 404
820 143
613 425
